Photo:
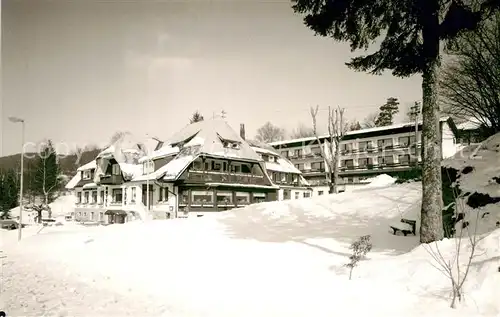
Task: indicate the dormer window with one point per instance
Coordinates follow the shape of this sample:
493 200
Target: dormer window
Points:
87 174
230 144
148 167
265 157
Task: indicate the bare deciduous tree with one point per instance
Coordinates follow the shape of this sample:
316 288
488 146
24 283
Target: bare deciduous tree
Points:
270 133
470 82
336 131
302 131
369 121
454 268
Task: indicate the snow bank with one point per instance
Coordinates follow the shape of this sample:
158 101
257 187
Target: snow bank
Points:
270 259
381 180
479 180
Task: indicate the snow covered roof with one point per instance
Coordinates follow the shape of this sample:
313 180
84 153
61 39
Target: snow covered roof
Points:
210 135
281 165
74 181
165 150
361 131
470 124
88 166
130 170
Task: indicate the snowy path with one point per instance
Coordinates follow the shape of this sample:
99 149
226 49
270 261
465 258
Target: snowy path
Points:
39 289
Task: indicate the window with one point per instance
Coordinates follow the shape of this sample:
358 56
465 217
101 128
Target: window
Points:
385 160
316 150
300 166
242 198
184 197
297 153
231 145
364 162
117 195
79 197
91 215
216 166
363 146
224 198
86 174
318 166
297 195
133 194
265 157
101 195
116 169
259 197
307 194
283 177
350 180
235 168
346 147
404 159
94 197
384 143
86 197
295 178
199 197
320 193
163 194
406 141
284 154
147 167
101 216
347 163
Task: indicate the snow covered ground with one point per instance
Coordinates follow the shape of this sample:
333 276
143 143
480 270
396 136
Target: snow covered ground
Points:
269 259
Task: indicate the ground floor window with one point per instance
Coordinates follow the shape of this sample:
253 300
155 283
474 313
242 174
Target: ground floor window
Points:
320 193
184 197
224 198
117 195
204 198
297 195
307 194
242 198
259 197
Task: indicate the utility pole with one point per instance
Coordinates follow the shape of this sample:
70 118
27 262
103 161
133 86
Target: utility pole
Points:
415 112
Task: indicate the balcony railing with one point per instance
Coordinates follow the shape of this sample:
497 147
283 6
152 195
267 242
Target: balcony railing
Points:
381 148
111 179
378 166
206 177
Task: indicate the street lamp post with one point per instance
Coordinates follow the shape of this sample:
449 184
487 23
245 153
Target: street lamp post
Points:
19 120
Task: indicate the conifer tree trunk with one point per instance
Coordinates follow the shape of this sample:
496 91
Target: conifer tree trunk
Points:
431 228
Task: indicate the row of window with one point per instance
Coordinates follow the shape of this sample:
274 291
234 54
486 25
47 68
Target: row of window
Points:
315 166
222 198
381 160
283 178
89 174
221 166
362 162
118 195
403 141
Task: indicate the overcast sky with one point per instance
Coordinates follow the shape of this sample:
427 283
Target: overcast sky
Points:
77 71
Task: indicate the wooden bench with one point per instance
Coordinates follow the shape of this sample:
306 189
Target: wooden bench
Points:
405 232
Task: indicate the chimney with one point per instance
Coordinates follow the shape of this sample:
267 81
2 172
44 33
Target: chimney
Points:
242 131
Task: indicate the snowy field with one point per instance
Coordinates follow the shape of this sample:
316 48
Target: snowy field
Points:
269 259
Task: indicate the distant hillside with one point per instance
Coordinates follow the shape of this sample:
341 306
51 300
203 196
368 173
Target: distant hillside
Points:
68 163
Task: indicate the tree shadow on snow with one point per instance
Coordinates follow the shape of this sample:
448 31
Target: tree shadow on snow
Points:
298 226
